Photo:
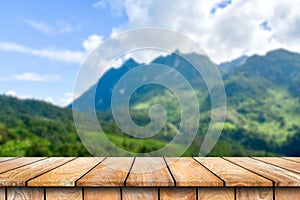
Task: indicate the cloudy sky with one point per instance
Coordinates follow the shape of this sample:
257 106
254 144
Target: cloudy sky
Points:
44 43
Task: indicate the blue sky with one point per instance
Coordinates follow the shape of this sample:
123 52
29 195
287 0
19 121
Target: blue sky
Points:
43 43
48 26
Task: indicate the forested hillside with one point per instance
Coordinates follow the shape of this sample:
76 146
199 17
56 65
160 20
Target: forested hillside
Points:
263 112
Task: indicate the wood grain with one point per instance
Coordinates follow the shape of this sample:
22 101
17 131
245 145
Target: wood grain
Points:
15 163
19 176
280 176
254 193
287 193
139 193
296 159
102 194
2 159
198 176
150 171
280 162
64 193
24 193
65 175
111 172
2 193
232 174
178 193
215 193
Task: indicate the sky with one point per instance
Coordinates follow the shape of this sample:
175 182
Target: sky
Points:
44 43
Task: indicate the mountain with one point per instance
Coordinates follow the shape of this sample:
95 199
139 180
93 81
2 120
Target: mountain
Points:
37 128
262 99
234 63
263 111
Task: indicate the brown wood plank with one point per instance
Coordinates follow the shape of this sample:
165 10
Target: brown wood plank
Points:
2 193
102 194
280 176
232 174
254 193
19 176
149 171
66 175
212 193
198 176
280 162
2 159
178 193
287 193
111 172
64 193
296 159
15 163
139 193
24 193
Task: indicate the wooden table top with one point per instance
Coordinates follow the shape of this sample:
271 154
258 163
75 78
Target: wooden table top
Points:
150 172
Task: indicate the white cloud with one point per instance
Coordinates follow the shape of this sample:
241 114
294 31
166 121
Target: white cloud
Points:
226 33
92 42
100 4
41 26
78 57
11 93
52 54
30 76
67 99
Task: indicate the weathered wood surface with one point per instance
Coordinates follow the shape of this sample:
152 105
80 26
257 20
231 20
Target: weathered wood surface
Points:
67 174
280 176
64 193
232 174
15 163
283 163
19 176
22 193
211 193
131 193
254 193
150 178
149 172
287 193
102 193
111 172
178 194
188 172
2 159
296 159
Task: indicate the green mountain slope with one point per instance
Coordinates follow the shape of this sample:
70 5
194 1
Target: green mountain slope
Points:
263 112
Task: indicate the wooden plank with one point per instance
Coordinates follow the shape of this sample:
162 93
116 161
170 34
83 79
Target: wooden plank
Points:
280 176
287 193
65 175
178 193
19 176
262 193
150 171
232 174
64 193
296 159
111 172
212 193
2 159
139 193
24 193
199 176
2 193
283 163
102 194
15 163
